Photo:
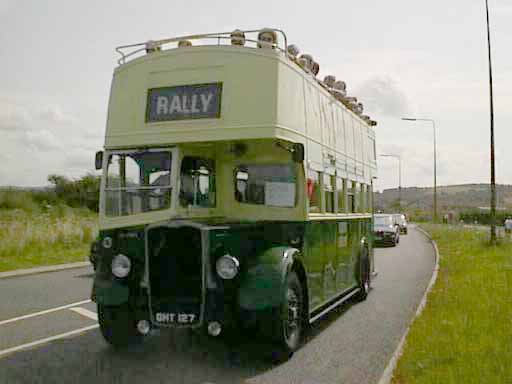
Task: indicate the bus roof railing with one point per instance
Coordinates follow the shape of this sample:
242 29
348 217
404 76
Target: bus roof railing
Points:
305 61
125 52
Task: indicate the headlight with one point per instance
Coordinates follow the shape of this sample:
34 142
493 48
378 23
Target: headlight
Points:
107 242
227 267
121 266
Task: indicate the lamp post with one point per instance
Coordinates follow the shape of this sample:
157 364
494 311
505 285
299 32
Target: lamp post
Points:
435 161
493 179
399 177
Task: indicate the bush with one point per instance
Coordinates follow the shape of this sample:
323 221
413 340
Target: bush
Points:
84 192
483 217
14 199
59 235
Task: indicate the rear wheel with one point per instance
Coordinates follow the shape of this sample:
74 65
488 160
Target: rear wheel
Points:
287 322
118 325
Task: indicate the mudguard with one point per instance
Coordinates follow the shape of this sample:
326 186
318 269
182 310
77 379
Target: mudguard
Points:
261 286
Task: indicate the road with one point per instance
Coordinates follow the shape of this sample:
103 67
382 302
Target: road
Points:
62 344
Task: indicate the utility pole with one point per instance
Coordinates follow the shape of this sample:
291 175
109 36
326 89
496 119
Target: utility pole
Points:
493 179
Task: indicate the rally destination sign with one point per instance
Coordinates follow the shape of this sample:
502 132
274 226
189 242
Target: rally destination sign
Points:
198 101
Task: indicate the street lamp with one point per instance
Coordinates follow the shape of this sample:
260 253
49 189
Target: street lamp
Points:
399 177
435 161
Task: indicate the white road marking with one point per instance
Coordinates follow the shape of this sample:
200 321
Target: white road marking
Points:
46 340
85 312
43 312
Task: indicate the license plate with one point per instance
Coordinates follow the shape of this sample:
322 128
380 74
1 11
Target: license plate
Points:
378 238
175 318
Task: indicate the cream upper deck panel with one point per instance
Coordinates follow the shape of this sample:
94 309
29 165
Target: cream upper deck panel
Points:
264 95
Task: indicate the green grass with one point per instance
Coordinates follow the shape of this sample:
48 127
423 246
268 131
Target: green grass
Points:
464 334
33 236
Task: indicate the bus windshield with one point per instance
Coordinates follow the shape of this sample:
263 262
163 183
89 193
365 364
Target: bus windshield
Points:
137 182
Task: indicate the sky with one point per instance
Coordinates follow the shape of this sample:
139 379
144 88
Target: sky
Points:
401 58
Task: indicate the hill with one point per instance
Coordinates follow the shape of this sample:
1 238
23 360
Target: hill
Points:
455 198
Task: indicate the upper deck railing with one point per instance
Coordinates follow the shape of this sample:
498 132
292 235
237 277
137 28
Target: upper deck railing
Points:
206 39
266 38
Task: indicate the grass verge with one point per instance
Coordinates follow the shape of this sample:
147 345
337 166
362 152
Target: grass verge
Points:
464 334
38 238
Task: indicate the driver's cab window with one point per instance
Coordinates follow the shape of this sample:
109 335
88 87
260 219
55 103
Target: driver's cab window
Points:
137 182
197 179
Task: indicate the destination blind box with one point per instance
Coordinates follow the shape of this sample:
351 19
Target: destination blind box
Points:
199 101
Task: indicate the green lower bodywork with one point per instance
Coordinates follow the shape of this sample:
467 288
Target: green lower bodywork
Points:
110 293
326 253
262 285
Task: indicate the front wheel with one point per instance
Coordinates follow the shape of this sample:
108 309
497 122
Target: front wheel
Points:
118 325
287 322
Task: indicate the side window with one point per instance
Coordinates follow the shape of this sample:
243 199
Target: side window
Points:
362 198
357 196
197 178
341 186
351 199
313 191
329 188
369 197
272 185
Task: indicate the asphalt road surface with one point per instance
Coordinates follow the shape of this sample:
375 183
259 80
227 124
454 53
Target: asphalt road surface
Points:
48 334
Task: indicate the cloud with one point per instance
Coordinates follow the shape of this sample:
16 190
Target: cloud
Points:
23 115
382 95
453 161
80 159
13 117
41 140
6 6
54 114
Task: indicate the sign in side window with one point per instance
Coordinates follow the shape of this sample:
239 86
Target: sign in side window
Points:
199 101
273 185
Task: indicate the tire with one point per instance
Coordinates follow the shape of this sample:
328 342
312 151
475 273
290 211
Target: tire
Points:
364 276
287 332
118 325
397 238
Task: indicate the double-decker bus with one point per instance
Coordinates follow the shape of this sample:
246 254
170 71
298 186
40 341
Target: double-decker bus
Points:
236 190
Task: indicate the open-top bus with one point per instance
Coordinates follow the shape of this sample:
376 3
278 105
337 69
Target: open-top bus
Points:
236 190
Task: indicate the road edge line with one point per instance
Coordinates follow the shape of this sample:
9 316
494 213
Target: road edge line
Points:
46 340
387 375
45 269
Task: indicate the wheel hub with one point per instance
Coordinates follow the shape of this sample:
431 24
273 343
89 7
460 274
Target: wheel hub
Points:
293 310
